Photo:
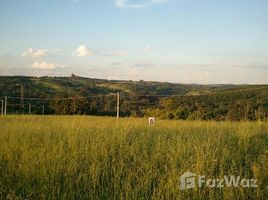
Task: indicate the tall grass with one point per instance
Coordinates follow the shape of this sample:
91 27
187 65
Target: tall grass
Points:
102 158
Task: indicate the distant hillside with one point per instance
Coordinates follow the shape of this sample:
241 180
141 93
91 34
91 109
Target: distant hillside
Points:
138 98
74 85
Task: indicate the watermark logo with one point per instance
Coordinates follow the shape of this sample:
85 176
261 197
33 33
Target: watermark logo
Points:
189 180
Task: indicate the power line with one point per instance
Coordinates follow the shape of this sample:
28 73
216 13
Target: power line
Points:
60 98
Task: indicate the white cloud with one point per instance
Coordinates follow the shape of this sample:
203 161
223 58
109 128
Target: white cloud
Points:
111 53
126 3
82 51
159 1
147 48
251 66
46 66
137 4
34 53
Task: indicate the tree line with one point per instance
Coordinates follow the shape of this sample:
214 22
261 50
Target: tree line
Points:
137 99
236 106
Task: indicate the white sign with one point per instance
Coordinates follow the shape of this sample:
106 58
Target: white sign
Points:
151 120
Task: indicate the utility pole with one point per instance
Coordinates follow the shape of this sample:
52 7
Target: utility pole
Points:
2 107
43 109
21 98
117 108
5 112
30 108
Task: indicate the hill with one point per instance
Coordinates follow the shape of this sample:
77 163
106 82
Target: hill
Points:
79 95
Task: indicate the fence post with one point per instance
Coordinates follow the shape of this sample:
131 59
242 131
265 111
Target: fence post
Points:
43 109
5 111
2 107
118 101
30 108
22 98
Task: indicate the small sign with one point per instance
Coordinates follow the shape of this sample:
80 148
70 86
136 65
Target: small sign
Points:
151 120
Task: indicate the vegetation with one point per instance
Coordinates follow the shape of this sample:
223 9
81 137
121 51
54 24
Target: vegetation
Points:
100 158
78 95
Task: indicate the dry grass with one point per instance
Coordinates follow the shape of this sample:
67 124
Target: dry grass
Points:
101 158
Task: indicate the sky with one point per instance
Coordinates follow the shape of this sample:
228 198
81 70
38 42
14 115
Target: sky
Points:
181 41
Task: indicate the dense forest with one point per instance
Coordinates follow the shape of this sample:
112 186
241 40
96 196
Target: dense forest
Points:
79 95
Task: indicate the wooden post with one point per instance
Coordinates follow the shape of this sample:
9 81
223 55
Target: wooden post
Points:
117 108
43 109
259 114
2 107
22 98
30 108
5 111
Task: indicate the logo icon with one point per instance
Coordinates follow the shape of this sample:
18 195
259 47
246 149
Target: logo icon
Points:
187 180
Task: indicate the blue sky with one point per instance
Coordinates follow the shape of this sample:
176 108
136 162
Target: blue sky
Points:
185 41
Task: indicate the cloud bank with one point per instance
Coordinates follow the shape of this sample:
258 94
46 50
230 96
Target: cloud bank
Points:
34 53
83 51
46 66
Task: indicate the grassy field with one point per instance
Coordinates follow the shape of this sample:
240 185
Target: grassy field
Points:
102 158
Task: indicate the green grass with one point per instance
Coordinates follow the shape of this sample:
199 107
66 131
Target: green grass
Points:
102 158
